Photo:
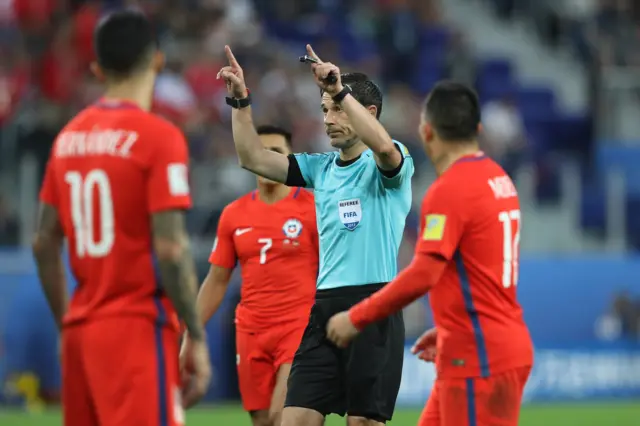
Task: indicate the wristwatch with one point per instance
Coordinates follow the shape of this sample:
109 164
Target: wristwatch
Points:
239 103
341 94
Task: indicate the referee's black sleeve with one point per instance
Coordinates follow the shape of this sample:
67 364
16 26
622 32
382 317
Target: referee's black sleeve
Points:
388 173
294 175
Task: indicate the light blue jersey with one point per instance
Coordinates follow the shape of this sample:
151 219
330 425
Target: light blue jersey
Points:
361 216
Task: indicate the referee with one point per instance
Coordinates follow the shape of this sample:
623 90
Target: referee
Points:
363 196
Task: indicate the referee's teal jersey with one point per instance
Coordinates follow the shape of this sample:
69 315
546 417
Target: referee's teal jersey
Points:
361 216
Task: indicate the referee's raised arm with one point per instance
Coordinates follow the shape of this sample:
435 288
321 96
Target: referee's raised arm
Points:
363 119
251 153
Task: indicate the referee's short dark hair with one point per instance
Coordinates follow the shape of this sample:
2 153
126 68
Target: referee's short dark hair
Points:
364 90
453 109
268 129
124 43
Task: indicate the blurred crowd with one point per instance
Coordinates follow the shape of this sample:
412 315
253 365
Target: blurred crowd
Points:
604 30
45 78
46 46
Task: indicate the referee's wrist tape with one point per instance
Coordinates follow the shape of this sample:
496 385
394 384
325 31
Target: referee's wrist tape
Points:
239 103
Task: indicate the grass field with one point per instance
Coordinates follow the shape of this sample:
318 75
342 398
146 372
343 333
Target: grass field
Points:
613 414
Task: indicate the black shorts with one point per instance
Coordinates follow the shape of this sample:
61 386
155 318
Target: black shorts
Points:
361 380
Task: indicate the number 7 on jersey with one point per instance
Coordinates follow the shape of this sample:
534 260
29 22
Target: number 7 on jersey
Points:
511 246
266 245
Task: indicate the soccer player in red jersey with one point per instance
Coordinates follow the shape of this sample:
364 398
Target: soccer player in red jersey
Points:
271 233
116 187
467 259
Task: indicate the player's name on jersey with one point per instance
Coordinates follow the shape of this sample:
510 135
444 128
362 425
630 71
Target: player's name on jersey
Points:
114 142
503 187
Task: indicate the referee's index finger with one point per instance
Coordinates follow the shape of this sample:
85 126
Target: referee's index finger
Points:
232 59
311 53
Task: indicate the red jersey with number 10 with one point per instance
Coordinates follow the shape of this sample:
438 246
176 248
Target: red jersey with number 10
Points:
471 217
276 246
110 168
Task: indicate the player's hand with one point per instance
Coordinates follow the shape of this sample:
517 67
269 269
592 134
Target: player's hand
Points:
340 329
320 72
233 76
186 355
199 366
425 347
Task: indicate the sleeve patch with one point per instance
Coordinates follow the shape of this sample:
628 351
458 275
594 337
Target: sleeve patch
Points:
434 227
178 179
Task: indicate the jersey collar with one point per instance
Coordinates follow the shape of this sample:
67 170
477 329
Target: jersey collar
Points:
291 194
106 103
477 156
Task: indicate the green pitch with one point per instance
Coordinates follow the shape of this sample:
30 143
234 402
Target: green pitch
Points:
618 414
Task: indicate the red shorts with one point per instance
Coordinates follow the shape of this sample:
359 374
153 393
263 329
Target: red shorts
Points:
120 371
259 355
491 401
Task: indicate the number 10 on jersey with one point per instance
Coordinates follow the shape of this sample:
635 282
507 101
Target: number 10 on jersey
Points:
82 204
510 247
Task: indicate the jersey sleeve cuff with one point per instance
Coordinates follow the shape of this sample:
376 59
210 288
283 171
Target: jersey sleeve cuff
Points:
390 174
175 204
358 318
294 174
222 264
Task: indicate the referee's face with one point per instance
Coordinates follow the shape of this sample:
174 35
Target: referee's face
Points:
337 125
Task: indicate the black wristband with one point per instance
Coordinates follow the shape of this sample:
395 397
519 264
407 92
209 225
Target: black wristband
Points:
342 94
239 103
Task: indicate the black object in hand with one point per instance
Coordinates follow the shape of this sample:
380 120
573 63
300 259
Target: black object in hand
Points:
330 79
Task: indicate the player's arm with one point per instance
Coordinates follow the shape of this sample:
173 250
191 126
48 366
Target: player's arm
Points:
441 227
412 283
47 250
177 267
223 260
212 292
168 198
387 154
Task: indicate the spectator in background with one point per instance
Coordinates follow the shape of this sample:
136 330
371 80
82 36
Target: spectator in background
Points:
627 311
201 75
580 19
14 80
60 71
36 20
627 36
622 321
503 136
174 98
9 227
460 63
398 41
85 20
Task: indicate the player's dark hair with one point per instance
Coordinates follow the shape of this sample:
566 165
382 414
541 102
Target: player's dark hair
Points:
453 109
268 129
364 90
124 43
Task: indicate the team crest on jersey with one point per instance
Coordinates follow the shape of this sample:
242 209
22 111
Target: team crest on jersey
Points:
350 212
292 228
